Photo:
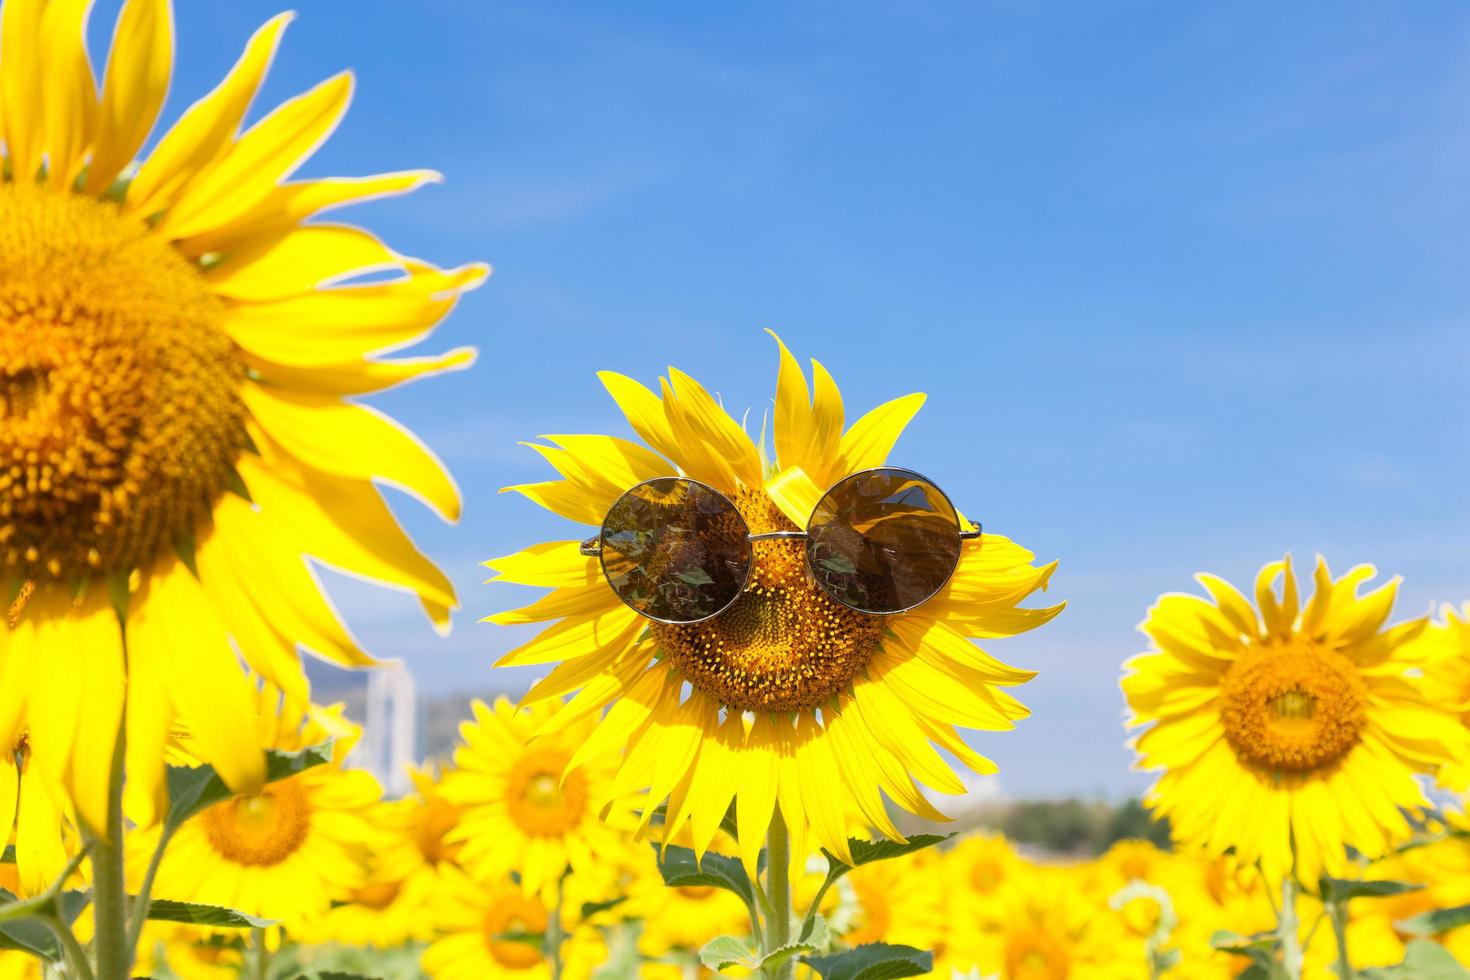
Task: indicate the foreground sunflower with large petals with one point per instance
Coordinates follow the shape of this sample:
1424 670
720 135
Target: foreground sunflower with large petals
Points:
787 702
1289 731
179 356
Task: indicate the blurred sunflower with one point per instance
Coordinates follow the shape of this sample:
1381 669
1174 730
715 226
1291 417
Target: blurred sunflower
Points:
894 901
1444 649
389 907
287 851
178 352
485 932
787 698
521 809
414 850
1289 734
1051 930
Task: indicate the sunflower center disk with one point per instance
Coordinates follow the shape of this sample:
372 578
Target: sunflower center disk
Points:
514 915
783 645
539 800
1293 708
260 830
120 418
1035 955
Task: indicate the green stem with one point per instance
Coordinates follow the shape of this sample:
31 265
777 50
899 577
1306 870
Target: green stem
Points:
109 892
144 900
76 957
553 932
778 891
1338 912
1286 930
261 960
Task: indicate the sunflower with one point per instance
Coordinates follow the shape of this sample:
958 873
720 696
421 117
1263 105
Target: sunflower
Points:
521 810
1051 929
975 874
1289 734
894 901
1444 649
287 851
389 907
482 925
179 351
786 699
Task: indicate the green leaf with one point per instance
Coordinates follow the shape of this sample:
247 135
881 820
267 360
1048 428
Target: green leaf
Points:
680 870
1343 889
194 788
1423 960
723 951
1435 922
814 937
30 936
873 961
868 851
589 909
9 856
165 910
1260 949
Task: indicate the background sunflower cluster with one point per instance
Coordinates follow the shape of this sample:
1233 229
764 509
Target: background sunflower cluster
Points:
187 340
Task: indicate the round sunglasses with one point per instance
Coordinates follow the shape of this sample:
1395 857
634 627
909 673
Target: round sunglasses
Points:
880 541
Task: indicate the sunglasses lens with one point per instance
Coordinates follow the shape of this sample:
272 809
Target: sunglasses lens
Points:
675 550
883 541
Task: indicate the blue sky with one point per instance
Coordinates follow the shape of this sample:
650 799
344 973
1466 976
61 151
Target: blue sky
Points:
1185 284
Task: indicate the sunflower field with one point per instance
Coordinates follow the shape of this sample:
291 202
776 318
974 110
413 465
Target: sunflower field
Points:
761 641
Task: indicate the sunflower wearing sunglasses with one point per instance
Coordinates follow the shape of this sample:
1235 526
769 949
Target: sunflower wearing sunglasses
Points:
790 636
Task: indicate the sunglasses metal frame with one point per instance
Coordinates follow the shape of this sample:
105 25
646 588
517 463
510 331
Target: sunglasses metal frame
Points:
592 547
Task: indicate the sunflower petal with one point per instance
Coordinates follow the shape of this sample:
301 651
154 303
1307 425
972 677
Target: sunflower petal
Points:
133 87
206 128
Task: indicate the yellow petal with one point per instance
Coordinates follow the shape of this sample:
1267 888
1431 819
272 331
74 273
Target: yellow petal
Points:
552 564
345 523
297 262
352 441
40 854
871 438
714 427
205 128
260 577
329 326
133 87
20 75
250 169
824 441
209 692
359 376
796 493
9 793
69 93
287 205
644 411
754 771
792 420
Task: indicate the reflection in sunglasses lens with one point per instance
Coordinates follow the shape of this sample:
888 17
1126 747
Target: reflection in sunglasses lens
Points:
675 550
883 541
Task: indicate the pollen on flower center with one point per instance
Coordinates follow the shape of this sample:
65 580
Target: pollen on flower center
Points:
120 418
783 645
514 914
539 799
1292 708
262 829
